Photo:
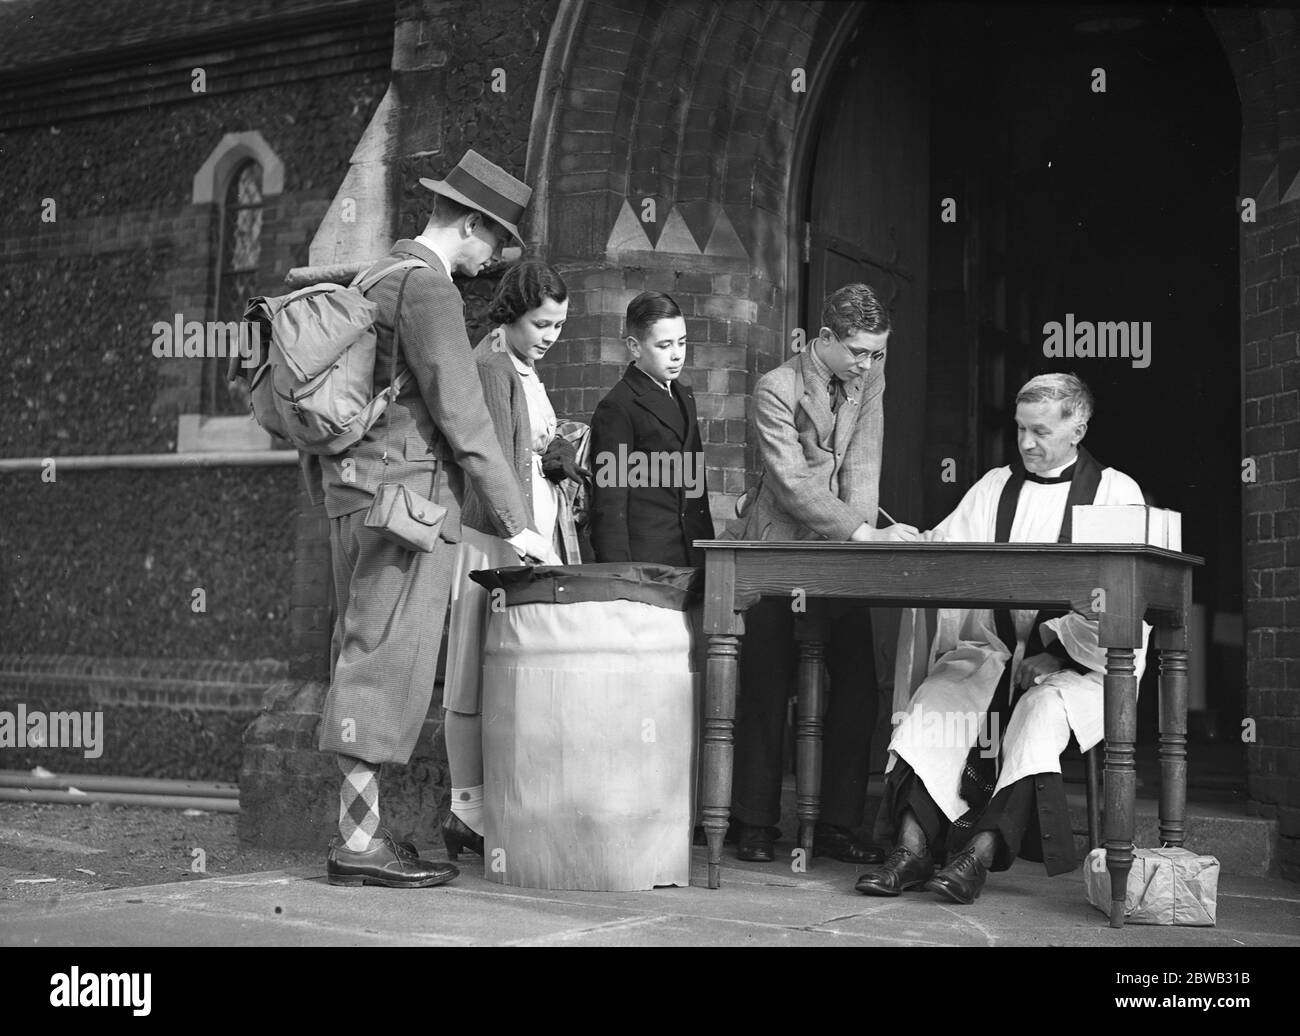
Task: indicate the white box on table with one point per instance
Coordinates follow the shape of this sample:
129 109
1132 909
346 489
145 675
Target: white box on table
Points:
1127 523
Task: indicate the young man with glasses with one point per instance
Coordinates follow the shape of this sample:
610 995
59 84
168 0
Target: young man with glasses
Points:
819 419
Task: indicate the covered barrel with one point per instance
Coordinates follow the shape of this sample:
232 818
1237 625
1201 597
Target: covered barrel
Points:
590 716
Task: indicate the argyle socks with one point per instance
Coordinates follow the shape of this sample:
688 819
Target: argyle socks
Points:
358 803
467 804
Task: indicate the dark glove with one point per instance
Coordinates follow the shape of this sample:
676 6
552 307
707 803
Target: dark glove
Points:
560 462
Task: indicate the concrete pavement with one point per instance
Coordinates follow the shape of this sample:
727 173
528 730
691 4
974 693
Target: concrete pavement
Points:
757 905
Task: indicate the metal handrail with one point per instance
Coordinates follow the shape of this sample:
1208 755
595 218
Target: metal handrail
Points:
103 462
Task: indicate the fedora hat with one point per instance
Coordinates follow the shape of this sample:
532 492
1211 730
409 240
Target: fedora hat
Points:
487 188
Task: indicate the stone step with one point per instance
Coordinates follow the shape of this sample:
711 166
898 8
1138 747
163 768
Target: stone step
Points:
1245 845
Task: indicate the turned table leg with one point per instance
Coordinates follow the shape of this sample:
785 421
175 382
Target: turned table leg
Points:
1121 774
808 742
718 749
1173 746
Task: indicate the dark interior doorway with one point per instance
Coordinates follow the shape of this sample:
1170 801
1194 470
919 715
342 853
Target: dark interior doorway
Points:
1114 205
1110 206
865 216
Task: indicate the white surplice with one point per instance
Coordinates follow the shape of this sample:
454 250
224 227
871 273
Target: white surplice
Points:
965 661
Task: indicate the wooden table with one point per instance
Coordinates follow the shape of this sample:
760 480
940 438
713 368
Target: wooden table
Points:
1139 582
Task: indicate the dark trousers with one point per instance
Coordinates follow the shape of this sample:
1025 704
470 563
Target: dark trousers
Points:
768 660
1031 815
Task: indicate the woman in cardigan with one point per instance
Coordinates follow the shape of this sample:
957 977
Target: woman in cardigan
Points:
530 308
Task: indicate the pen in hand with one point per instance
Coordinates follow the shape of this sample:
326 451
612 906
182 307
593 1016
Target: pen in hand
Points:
897 530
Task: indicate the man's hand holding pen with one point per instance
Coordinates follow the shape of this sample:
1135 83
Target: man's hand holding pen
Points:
896 532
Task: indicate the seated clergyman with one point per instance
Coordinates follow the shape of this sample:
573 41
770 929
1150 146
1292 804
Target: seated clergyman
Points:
990 789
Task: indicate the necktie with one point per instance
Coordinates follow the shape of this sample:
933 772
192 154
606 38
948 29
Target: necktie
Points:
835 388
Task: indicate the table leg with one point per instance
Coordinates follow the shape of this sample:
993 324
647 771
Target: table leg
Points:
808 742
1121 774
1173 746
718 748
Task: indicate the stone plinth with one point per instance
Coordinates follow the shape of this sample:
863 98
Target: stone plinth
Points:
289 789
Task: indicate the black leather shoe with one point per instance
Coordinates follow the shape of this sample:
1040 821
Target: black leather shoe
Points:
458 835
757 844
406 849
384 864
839 843
961 879
903 870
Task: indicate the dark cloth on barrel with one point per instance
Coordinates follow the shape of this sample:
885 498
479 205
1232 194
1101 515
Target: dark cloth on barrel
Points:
664 586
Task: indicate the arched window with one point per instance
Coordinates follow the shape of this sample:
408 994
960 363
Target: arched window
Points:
239 251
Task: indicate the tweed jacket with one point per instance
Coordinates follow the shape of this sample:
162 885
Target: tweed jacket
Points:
647 523
821 468
438 418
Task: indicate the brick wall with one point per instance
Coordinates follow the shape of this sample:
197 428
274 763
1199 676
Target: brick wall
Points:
164 718
1264 50
1271 335
480 45
646 114
101 563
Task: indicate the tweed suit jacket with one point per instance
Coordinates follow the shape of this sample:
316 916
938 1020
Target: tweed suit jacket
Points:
438 418
647 523
821 468
508 407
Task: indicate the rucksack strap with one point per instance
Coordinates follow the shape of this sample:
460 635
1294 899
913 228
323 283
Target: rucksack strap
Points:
366 280
393 387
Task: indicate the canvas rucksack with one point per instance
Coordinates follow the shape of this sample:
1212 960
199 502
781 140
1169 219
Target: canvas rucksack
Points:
313 383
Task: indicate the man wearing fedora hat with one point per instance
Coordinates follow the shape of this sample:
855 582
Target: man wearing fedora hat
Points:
391 602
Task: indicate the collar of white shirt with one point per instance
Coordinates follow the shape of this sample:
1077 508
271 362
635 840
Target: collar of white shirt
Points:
667 386
428 243
819 365
525 369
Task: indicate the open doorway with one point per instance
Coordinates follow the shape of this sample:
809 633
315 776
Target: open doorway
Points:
1093 156
1088 160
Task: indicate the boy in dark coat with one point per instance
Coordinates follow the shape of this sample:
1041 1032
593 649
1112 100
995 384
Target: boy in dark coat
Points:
650 500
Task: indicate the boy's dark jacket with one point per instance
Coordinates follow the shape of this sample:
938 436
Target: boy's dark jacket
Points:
648 524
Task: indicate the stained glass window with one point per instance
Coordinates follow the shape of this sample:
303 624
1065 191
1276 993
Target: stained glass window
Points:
240 250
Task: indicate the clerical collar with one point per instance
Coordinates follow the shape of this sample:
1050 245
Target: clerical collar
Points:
428 243
1054 476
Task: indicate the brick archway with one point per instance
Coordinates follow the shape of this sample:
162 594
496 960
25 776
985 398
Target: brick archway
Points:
692 108
669 144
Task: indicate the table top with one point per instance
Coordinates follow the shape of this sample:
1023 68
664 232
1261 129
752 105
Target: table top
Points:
1119 583
954 547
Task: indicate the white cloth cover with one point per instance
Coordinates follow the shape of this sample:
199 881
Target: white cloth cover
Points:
589 746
